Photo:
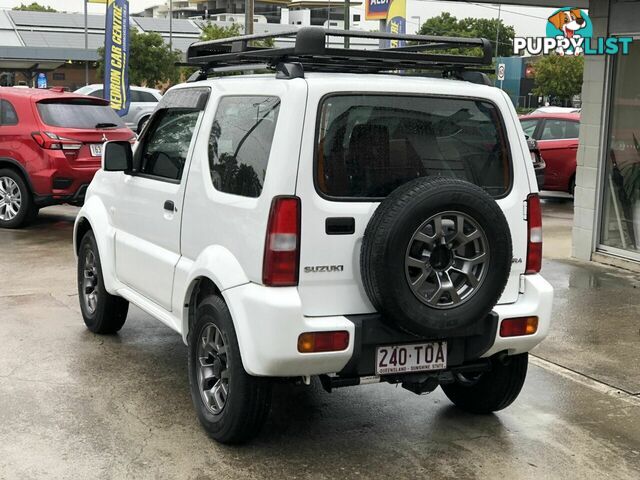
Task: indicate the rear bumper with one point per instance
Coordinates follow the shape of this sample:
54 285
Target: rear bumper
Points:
64 181
268 322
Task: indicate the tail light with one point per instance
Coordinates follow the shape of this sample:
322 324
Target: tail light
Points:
51 141
516 327
282 245
534 234
311 342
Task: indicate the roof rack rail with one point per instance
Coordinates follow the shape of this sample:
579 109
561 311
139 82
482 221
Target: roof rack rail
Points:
310 52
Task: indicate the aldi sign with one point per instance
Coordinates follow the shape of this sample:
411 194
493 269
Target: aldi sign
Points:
376 9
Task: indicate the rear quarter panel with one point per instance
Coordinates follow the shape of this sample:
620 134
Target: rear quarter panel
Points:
234 224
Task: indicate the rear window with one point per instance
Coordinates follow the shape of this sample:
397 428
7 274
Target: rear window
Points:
368 145
78 114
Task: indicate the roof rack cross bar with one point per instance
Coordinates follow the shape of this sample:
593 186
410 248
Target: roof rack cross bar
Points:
311 52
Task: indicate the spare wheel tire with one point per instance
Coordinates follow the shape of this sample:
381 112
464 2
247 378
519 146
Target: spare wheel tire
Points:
436 256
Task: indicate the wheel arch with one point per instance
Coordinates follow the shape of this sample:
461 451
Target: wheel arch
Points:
94 217
199 288
7 162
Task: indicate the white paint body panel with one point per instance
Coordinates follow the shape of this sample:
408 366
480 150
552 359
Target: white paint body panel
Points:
154 258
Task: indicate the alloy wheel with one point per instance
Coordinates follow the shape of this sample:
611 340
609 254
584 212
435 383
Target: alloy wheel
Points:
213 369
447 259
90 282
10 198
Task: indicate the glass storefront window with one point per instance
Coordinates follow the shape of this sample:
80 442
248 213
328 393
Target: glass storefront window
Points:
621 203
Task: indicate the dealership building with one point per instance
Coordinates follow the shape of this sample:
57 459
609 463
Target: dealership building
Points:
607 194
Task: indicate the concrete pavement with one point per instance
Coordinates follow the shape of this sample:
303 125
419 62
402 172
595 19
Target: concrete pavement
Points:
76 405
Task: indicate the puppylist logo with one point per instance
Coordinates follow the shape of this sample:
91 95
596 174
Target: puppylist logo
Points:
570 32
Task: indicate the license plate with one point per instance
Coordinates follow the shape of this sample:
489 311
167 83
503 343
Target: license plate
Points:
411 358
96 149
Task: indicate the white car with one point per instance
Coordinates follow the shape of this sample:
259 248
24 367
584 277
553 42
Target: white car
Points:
143 102
553 109
357 227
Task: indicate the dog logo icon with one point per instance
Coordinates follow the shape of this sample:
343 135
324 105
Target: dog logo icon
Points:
571 24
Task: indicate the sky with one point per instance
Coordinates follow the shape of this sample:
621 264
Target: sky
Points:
527 21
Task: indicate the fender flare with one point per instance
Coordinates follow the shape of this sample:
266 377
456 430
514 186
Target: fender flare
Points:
95 212
216 264
21 168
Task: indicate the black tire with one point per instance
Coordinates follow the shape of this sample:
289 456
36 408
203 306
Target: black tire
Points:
388 237
492 390
572 186
25 211
109 311
248 400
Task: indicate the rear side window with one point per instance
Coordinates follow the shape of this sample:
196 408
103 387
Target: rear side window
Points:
559 129
78 113
97 93
240 143
529 126
8 115
368 145
143 97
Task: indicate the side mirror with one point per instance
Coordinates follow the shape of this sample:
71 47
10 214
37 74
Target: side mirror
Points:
117 156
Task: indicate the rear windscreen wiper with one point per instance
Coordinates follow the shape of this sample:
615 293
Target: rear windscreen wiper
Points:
105 125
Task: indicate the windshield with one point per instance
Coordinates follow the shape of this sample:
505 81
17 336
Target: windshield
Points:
368 145
78 114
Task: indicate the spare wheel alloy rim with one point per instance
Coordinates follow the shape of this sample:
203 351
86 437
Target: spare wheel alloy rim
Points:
447 260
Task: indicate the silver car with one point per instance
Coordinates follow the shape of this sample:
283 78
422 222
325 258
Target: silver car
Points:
143 102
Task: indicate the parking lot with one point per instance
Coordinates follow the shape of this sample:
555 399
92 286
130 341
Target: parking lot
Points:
77 405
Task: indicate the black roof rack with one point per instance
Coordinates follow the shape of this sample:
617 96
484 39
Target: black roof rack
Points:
310 52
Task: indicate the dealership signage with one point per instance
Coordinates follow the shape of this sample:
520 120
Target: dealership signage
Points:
116 48
395 14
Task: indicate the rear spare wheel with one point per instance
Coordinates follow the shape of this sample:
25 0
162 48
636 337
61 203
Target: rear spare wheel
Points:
436 256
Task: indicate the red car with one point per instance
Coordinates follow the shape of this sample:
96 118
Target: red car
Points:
50 148
557 136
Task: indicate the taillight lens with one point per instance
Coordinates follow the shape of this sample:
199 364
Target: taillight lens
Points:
534 235
51 141
311 342
282 245
516 327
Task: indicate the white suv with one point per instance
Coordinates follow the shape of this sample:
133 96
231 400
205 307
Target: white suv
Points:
358 227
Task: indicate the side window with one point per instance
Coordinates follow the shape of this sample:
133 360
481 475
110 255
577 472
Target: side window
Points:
240 143
146 97
529 126
97 93
8 115
559 129
166 143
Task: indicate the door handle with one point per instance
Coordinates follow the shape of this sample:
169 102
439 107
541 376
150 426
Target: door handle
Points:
170 206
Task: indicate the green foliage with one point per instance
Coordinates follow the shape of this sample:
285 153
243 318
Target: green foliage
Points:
214 32
34 7
151 63
559 76
447 25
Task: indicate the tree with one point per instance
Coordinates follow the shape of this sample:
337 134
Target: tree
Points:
151 63
558 76
214 32
34 7
447 25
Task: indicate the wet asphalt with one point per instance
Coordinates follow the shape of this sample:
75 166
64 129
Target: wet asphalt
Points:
76 405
